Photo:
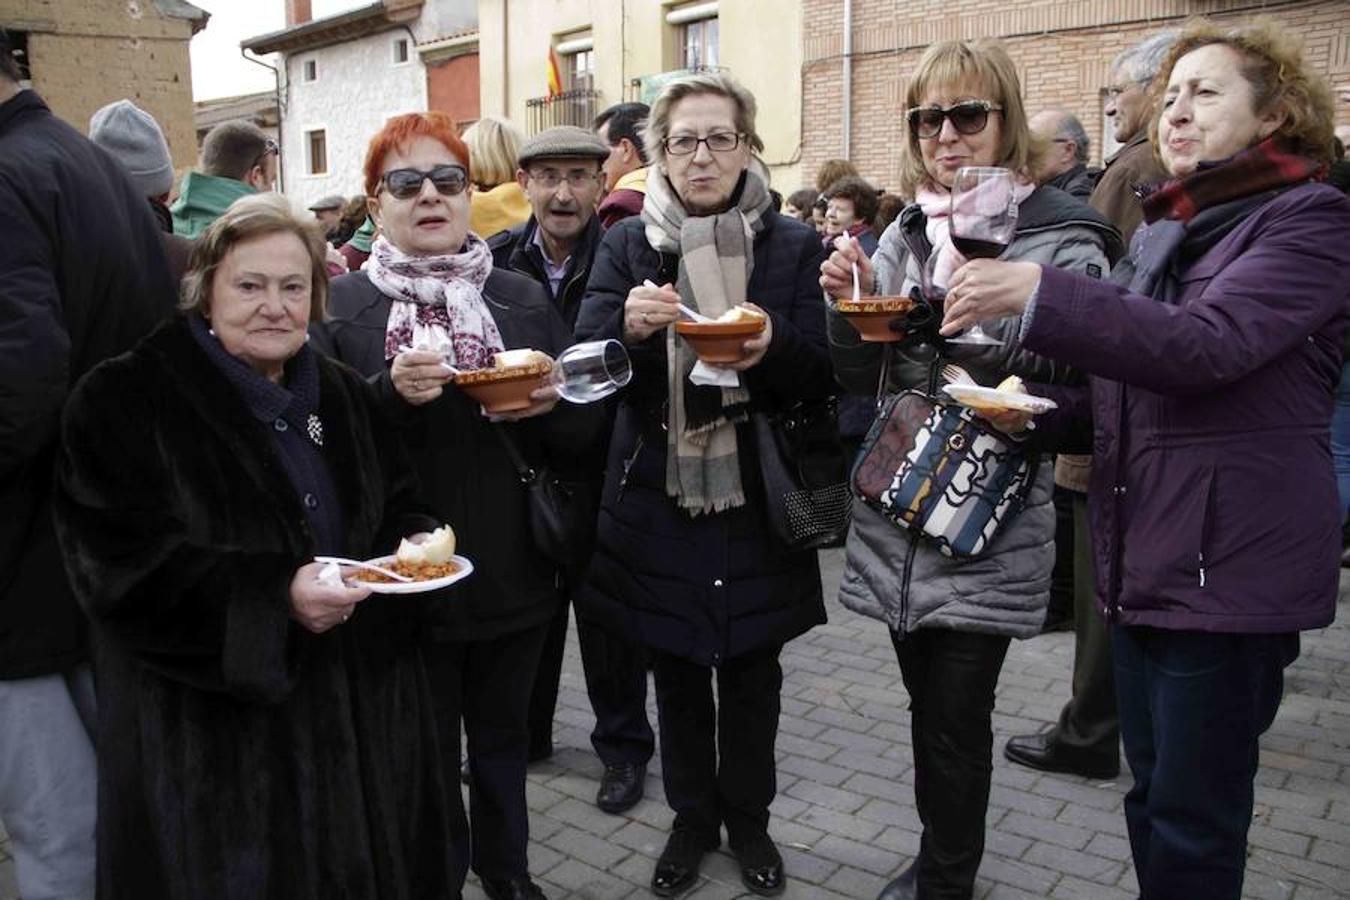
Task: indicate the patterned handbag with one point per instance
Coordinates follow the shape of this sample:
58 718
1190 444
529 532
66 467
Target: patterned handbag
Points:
935 468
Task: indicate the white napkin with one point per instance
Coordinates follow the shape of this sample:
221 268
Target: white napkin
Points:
704 374
331 575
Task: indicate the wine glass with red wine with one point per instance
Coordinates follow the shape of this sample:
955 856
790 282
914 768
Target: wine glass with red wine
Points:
984 217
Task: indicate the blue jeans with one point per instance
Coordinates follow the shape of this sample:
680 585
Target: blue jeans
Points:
1192 708
49 782
1340 440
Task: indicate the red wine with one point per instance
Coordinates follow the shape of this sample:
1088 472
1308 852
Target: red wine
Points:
974 248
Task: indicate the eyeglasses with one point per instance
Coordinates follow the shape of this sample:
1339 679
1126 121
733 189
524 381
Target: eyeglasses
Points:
969 117
404 183
576 179
269 148
687 144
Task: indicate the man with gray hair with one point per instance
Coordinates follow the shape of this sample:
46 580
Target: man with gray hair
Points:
238 158
1086 740
1067 160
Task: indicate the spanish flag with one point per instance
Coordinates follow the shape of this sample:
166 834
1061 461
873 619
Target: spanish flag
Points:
554 74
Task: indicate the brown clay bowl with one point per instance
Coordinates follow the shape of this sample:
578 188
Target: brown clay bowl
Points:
718 342
504 390
872 316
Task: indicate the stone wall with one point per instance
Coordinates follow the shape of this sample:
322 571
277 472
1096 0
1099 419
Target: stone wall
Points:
85 54
1062 49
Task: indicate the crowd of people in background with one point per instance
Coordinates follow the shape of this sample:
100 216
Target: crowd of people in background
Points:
205 389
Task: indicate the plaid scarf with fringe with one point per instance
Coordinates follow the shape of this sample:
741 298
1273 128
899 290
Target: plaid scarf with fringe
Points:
717 255
1259 168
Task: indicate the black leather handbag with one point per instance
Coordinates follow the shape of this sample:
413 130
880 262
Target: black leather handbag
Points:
562 513
805 472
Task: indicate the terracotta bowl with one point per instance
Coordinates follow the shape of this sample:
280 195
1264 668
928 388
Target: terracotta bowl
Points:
718 342
872 316
504 390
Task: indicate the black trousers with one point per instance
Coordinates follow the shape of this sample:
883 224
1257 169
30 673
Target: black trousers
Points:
951 676
717 762
1062 576
616 683
1088 722
486 684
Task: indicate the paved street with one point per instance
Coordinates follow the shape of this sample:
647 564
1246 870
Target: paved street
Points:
845 817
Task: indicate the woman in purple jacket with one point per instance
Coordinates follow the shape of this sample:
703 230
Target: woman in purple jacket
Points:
1215 357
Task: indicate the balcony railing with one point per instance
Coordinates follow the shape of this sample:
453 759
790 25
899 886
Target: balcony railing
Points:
576 107
646 88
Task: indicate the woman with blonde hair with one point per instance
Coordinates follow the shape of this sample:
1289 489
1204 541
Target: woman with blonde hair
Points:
1214 360
952 618
498 202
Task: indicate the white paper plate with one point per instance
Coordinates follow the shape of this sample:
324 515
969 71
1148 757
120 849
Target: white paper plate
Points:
977 397
414 587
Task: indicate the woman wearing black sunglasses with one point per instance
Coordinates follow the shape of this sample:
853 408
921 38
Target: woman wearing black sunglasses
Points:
951 620
429 284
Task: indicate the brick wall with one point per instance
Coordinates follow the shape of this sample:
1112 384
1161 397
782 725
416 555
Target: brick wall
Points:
1062 50
87 53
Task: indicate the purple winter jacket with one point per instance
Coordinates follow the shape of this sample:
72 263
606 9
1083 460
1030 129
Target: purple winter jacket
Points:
1213 501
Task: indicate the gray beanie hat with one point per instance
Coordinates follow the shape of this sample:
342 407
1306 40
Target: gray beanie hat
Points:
562 142
134 139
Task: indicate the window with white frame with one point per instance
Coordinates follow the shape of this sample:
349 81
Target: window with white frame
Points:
309 70
400 51
316 151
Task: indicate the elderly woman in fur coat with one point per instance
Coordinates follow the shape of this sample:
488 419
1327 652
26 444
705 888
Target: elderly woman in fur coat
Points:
262 734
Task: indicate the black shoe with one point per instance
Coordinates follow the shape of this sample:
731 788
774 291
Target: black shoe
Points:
761 866
518 888
904 887
1040 751
677 869
620 787
539 753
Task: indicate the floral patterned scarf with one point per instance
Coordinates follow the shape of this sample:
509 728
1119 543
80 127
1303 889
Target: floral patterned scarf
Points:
437 302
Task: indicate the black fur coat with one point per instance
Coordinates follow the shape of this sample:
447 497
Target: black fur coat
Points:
241 756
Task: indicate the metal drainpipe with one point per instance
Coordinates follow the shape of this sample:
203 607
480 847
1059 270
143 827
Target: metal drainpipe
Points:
281 118
848 77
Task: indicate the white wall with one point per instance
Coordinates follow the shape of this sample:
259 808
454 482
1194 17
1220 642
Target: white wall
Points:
357 89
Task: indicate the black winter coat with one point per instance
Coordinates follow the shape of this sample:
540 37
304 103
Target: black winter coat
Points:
82 278
241 755
710 587
457 453
514 250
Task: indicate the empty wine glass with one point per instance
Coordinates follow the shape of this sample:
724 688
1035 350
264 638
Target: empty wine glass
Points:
590 371
983 220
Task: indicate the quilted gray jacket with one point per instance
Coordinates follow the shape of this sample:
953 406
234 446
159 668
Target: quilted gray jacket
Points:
890 574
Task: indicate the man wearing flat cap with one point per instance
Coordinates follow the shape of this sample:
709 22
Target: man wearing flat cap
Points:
559 170
329 213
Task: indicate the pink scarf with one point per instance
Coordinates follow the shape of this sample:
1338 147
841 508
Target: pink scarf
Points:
437 302
936 203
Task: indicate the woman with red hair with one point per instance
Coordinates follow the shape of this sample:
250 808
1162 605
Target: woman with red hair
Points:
427 297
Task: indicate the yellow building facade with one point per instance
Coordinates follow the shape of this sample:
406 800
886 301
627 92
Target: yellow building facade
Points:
609 51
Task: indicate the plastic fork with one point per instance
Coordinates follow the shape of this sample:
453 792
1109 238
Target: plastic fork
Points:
954 374
343 561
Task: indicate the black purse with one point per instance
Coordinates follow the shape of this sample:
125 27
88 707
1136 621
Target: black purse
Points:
805 471
562 513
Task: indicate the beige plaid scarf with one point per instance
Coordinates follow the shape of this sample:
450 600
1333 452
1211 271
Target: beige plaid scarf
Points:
717 255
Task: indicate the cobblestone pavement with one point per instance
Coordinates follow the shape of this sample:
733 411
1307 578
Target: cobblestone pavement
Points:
845 818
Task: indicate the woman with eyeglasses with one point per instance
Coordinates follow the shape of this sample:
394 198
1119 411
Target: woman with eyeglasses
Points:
430 285
685 561
951 619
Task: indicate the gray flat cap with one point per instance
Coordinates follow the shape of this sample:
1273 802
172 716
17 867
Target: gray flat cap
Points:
332 201
562 142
